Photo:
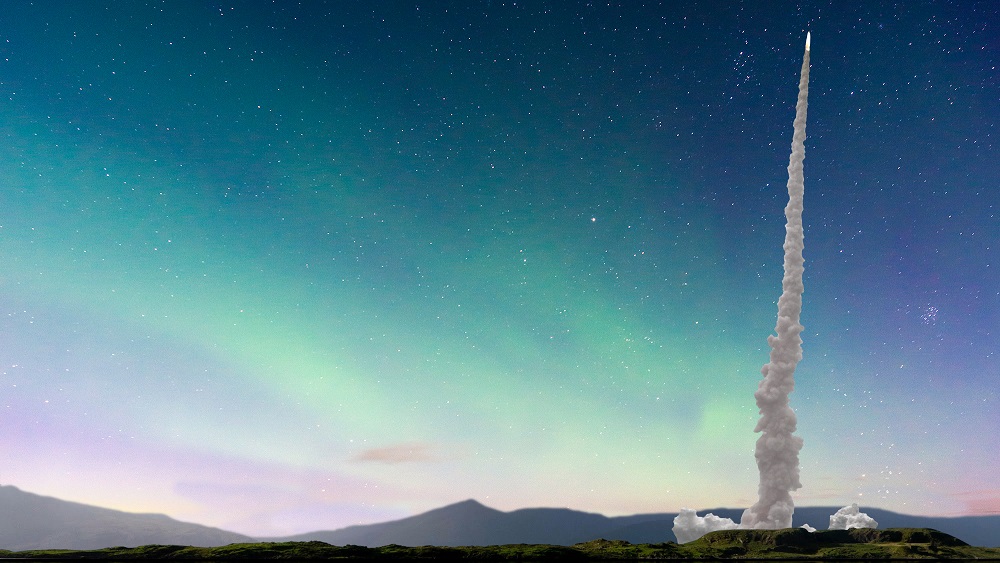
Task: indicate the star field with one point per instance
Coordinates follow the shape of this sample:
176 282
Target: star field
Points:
279 267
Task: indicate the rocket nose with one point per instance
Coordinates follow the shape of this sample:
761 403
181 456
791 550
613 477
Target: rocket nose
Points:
808 34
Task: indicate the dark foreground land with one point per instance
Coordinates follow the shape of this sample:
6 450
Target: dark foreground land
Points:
792 543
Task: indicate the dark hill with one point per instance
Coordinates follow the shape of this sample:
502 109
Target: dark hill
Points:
861 543
792 543
976 530
30 521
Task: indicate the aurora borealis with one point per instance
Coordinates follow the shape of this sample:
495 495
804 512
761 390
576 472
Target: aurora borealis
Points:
282 267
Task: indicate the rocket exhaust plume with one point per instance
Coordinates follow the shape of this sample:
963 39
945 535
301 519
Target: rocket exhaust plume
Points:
777 449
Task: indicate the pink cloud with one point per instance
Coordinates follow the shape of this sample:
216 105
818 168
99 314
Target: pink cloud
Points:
398 453
981 502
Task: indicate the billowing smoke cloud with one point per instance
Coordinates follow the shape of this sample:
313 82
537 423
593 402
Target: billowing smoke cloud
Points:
850 517
777 450
688 526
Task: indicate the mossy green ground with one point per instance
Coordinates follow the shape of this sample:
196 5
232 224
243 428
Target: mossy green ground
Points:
793 543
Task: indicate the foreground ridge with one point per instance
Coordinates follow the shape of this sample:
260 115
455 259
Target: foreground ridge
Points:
789 543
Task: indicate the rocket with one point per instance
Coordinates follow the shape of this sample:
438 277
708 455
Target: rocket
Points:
807 41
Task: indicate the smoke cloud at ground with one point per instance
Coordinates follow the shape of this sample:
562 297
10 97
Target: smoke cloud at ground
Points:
688 526
850 517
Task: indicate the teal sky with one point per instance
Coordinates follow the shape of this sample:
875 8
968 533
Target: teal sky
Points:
279 269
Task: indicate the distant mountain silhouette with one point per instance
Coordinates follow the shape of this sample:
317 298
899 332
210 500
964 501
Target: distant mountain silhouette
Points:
471 523
30 521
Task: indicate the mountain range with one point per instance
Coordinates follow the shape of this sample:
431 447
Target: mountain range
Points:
471 523
30 521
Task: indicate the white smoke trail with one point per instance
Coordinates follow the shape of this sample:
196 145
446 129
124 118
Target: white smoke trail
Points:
777 449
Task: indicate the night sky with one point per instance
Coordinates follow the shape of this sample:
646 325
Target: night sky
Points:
287 266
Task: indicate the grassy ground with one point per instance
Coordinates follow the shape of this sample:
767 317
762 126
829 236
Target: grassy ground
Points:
794 543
